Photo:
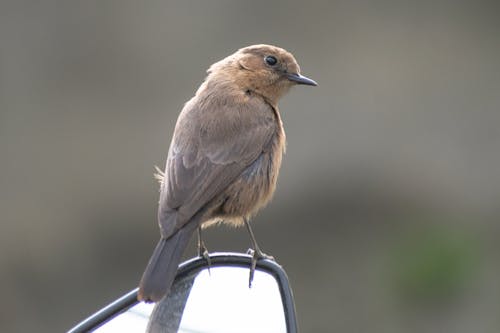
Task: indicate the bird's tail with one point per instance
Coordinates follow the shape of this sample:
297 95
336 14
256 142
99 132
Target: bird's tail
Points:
162 267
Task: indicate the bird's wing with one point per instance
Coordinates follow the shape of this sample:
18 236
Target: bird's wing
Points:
209 150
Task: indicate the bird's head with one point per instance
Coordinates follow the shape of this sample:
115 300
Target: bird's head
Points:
262 69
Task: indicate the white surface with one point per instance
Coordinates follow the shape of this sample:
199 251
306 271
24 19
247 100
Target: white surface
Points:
222 302
219 302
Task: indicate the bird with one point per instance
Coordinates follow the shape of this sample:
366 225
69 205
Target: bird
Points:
224 157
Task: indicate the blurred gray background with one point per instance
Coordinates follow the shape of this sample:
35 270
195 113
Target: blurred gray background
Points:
386 213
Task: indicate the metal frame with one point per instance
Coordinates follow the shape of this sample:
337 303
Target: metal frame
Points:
217 259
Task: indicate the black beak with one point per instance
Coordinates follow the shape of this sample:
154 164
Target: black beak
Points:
300 79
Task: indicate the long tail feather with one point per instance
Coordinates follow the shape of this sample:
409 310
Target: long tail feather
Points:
162 267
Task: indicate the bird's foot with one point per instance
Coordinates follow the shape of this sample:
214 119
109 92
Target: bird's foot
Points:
203 252
257 255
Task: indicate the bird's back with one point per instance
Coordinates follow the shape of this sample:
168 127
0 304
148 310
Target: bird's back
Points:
226 153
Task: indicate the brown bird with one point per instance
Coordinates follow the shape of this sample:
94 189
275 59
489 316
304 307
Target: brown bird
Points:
224 157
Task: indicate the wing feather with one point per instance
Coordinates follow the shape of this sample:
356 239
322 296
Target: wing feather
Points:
210 149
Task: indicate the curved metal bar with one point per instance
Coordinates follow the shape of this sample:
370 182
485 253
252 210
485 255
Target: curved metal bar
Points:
188 267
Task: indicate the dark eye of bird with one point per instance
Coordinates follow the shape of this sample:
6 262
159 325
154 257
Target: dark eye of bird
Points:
271 60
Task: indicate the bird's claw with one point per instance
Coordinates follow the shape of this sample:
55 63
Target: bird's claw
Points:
256 256
203 252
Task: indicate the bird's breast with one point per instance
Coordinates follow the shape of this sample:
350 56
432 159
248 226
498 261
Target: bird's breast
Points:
256 185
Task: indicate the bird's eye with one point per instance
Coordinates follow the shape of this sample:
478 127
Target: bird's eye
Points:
271 60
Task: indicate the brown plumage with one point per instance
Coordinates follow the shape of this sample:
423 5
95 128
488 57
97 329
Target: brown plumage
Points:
225 154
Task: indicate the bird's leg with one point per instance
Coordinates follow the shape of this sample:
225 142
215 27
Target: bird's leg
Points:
256 252
202 249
